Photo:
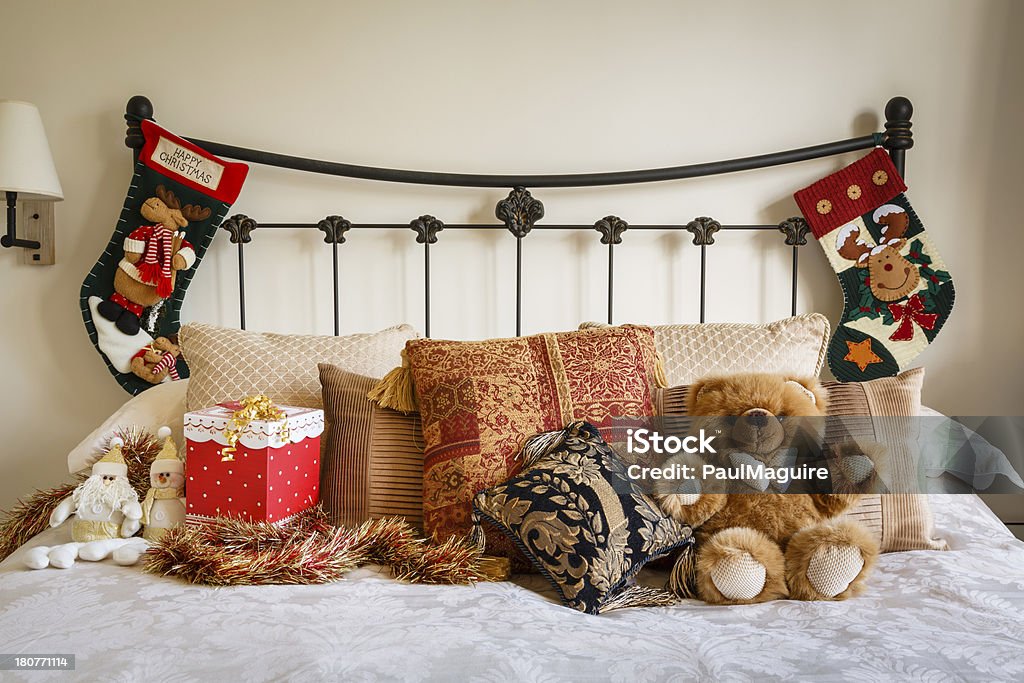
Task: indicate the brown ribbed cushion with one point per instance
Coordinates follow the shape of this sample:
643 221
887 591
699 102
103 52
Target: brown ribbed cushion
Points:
901 521
373 457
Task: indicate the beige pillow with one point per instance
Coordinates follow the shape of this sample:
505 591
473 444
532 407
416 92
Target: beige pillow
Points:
794 345
900 521
228 364
903 521
163 405
372 458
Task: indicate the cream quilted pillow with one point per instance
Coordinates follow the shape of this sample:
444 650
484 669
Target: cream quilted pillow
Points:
228 364
794 345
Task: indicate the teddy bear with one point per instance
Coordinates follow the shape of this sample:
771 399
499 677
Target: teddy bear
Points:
773 542
153 255
157 361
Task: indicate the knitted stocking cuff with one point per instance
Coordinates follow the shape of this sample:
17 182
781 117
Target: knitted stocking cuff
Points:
850 192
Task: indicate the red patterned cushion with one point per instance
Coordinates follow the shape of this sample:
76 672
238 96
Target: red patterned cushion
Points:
479 401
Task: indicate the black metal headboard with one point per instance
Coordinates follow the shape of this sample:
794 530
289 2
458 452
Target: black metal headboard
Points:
520 212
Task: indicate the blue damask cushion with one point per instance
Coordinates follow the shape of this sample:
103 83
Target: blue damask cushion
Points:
582 522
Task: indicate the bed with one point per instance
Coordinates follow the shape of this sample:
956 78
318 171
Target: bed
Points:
928 615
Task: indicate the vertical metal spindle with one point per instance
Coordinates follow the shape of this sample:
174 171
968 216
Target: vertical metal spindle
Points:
519 211
337 294
426 287
334 229
611 229
703 264
241 285
796 260
426 228
795 229
240 227
703 230
519 286
611 278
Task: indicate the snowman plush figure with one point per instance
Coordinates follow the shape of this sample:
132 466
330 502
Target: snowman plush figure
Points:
164 505
106 508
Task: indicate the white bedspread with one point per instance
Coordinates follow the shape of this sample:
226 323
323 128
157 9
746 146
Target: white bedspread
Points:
928 615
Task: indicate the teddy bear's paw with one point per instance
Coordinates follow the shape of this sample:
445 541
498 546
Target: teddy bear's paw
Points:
686 498
740 565
833 568
739 577
829 561
857 468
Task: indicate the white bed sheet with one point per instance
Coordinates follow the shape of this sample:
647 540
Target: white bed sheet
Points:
927 614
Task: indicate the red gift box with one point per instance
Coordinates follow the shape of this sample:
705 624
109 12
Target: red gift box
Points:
267 479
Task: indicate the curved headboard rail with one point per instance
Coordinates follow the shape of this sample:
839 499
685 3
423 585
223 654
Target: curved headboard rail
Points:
897 138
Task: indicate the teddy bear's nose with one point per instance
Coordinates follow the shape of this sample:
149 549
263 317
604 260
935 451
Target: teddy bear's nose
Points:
756 417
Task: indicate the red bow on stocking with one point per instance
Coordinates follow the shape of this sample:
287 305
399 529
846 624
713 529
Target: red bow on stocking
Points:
909 313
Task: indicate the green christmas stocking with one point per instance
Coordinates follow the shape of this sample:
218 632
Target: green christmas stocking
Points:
177 198
897 290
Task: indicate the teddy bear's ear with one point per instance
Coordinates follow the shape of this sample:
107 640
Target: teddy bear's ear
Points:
812 388
696 389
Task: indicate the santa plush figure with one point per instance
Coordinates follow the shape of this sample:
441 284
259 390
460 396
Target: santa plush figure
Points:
106 507
163 507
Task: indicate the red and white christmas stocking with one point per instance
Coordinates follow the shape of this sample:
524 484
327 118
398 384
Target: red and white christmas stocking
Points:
130 300
898 292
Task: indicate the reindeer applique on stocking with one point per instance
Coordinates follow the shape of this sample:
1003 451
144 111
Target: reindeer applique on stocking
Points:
897 290
177 198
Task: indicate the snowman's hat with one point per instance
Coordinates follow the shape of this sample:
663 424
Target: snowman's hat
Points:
167 460
112 463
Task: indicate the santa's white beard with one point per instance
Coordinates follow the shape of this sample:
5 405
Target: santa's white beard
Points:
97 497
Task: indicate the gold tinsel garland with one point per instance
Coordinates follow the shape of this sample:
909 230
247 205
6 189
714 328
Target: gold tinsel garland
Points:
229 551
309 550
32 515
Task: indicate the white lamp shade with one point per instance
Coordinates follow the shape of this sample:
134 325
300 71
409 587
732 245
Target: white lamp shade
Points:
26 166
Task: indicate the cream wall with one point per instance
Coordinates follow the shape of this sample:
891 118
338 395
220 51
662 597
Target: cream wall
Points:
507 87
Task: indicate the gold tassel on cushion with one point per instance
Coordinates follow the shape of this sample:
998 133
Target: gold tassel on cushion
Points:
396 390
660 379
638 596
683 579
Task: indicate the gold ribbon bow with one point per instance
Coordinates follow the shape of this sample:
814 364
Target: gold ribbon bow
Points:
256 407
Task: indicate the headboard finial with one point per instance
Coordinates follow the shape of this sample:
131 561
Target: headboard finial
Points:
898 137
139 107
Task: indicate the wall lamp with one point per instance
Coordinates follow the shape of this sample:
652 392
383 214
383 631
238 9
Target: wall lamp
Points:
27 175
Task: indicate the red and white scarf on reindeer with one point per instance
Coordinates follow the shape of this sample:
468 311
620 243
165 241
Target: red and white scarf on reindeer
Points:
159 246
